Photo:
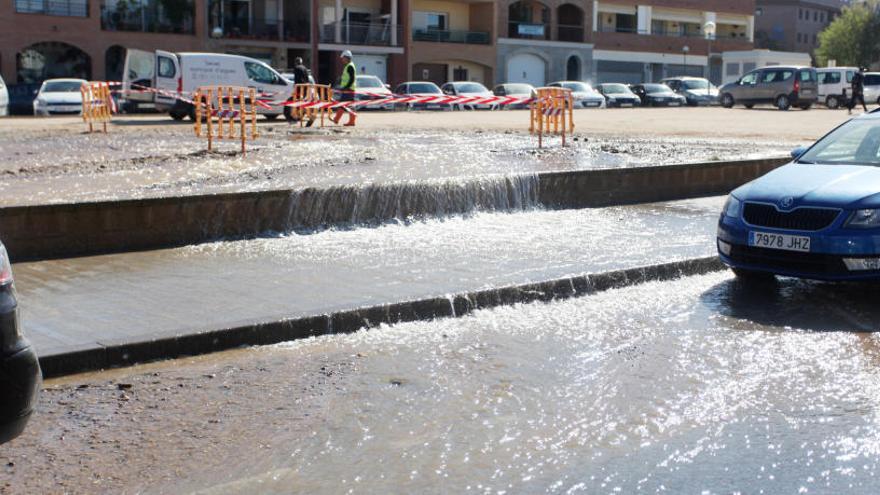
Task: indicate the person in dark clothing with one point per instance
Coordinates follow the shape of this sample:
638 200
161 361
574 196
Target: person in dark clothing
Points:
858 91
347 86
300 72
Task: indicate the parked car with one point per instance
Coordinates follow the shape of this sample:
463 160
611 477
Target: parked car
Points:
174 74
658 95
515 89
835 85
20 376
697 90
290 76
467 88
4 99
59 97
583 94
422 88
376 89
783 87
21 98
872 88
817 217
618 95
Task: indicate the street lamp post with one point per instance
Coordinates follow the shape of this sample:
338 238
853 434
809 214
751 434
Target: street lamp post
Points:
709 30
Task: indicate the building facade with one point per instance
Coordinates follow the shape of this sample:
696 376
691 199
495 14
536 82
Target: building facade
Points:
794 25
490 41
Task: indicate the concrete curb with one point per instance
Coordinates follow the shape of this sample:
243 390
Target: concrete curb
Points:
112 354
90 228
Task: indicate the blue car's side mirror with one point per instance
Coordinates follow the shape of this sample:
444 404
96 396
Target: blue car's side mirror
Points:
797 152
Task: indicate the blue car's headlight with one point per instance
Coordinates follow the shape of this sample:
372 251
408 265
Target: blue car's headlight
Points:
864 219
732 207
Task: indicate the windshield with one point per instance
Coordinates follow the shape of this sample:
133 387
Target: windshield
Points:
697 84
578 86
369 82
423 88
657 88
471 88
62 87
615 89
518 89
855 143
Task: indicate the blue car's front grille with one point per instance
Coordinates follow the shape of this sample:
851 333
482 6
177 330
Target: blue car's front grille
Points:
762 215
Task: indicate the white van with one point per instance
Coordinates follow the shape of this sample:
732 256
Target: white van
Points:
835 85
4 99
872 88
173 74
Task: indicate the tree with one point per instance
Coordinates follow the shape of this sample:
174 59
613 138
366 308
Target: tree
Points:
853 39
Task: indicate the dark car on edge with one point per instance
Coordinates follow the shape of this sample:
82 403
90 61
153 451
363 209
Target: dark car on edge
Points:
20 376
618 95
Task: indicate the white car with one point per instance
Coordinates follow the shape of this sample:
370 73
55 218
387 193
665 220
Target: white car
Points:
422 88
467 89
59 96
374 86
583 94
4 99
834 84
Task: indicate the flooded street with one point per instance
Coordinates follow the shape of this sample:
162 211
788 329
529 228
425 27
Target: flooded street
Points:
81 301
170 161
699 385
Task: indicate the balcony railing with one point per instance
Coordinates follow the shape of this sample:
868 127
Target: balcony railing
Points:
361 33
667 32
527 30
67 8
267 30
143 21
570 33
452 36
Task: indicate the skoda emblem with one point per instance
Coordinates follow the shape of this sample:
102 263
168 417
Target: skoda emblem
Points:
786 202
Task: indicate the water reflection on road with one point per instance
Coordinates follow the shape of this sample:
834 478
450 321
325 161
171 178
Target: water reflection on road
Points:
696 386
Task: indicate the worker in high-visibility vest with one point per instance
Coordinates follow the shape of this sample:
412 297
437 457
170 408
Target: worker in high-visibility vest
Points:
346 87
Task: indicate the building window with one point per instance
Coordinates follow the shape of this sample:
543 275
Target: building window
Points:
801 14
430 21
821 16
814 39
815 16
67 8
149 16
732 69
800 38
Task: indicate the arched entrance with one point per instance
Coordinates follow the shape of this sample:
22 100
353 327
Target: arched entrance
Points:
573 69
528 19
114 60
51 59
571 23
526 68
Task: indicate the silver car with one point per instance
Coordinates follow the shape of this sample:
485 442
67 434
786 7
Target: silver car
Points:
782 87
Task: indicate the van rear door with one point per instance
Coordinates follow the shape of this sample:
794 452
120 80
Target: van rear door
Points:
168 78
137 75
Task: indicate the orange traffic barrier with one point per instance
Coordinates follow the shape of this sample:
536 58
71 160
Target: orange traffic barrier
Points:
226 112
97 104
311 93
552 112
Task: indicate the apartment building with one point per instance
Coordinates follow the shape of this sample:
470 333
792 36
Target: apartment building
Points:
489 41
794 25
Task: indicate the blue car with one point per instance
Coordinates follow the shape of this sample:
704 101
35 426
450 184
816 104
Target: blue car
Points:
817 217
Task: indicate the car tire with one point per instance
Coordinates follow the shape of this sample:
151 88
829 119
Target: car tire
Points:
177 115
727 100
783 102
806 106
832 102
270 116
753 277
750 105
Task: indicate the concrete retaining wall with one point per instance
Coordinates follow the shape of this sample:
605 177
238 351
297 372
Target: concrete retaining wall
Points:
274 330
80 229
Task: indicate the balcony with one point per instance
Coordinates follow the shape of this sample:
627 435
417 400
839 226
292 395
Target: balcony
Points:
527 30
361 33
257 29
142 20
65 8
570 33
452 36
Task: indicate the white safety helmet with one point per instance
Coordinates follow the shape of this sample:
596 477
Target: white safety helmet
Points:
346 54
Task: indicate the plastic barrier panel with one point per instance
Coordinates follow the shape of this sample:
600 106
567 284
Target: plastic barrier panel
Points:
552 112
97 104
226 112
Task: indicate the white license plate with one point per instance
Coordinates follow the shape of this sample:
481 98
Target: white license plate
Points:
626 104
674 103
784 242
808 91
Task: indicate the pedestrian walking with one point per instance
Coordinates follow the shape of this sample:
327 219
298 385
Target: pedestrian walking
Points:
302 75
858 90
346 87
